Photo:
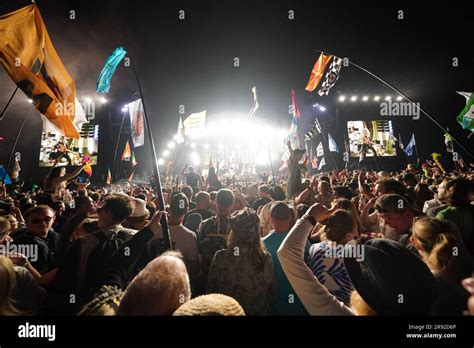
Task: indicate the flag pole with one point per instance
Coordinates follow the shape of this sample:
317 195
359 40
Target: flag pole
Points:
326 141
156 172
416 152
407 98
8 103
116 146
16 141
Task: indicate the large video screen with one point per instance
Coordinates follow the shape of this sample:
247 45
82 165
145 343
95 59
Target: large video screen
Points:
371 137
68 151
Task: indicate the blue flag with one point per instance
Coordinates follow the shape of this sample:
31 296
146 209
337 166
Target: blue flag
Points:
4 176
332 144
409 149
103 83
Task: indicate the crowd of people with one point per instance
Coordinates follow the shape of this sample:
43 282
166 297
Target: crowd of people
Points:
340 243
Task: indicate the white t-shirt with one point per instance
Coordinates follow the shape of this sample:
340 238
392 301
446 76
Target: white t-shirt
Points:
183 240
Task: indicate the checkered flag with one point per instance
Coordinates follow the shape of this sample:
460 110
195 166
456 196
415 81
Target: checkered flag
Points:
313 131
331 76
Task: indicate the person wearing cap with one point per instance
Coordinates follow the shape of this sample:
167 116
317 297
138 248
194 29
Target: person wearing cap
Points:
203 202
244 270
287 302
397 212
372 221
183 239
294 170
213 232
438 203
382 279
139 217
264 197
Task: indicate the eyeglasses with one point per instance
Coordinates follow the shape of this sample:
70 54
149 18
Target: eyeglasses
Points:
37 221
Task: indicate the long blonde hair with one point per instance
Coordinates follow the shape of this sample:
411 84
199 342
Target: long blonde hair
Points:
7 286
437 238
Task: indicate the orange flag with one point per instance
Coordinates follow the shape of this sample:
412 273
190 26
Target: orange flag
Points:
29 57
318 71
127 153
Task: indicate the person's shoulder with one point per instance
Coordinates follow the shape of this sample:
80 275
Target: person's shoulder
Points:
185 231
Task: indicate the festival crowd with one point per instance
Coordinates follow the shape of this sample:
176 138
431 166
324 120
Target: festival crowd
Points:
342 243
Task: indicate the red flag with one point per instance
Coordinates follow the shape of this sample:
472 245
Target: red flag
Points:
296 110
317 72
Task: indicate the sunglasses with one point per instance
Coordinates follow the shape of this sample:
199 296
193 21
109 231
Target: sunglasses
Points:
37 221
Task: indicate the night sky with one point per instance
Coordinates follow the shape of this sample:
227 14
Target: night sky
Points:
190 62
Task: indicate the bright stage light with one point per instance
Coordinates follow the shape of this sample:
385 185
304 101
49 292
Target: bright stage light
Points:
103 100
87 100
161 161
220 146
399 98
166 153
388 98
175 137
30 101
193 145
342 98
365 98
171 145
195 158
353 98
322 108
376 98
206 147
124 109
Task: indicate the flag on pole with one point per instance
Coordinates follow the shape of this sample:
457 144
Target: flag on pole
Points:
296 110
400 142
322 164
109 177
180 133
314 130
4 176
317 72
194 122
134 161
137 122
293 137
466 116
255 101
15 173
331 76
332 144
130 178
88 169
409 149
127 153
320 150
448 140
29 57
103 83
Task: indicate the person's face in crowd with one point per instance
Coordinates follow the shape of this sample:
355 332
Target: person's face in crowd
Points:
40 222
379 190
89 206
442 193
223 210
253 191
262 194
400 222
323 188
61 208
13 223
105 217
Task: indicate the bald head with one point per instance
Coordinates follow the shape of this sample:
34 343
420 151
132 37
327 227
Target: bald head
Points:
159 289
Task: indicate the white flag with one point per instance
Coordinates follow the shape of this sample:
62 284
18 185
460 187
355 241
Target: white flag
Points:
180 133
321 164
255 106
320 150
194 122
137 122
